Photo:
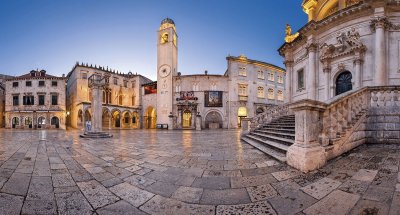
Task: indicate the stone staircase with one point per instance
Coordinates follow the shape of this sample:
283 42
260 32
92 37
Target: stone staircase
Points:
274 138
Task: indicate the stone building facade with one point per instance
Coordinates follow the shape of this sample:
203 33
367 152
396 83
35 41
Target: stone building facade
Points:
208 101
122 97
35 100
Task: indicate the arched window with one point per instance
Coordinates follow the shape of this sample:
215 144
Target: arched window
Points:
120 100
260 92
271 93
343 82
280 95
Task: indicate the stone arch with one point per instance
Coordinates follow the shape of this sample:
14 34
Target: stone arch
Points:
116 118
343 82
242 113
135 119
150 117
213 119
325 9
41 122
28 122
88 115
15 122
79 121
55 121
106 118
126 117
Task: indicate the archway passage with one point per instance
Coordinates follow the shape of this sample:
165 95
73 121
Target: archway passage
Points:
15 122
150 118
116 119
135 120
187 119
80 119
28 122
343 83
55 121
126 119
41 122
105 118
213 120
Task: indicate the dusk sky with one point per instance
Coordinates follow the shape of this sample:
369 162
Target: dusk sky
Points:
122 34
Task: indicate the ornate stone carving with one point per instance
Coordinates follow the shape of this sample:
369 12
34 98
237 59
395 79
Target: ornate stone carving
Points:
379 22
347 43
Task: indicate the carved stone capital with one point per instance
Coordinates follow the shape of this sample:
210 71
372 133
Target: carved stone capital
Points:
358 61
312 47
379 22
288 63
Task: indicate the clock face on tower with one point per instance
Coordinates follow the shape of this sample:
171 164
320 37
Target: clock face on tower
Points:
164 71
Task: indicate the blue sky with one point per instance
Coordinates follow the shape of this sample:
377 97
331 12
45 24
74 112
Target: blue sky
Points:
122 34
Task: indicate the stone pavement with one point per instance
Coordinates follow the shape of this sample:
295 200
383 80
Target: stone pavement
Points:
184 172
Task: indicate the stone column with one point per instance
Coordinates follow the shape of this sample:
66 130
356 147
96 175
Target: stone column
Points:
288 81
307 154
357 74
246 126
96 108
311 74
198 122
379 24
327 72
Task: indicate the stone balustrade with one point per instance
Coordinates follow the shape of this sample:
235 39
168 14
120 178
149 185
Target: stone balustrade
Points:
270 114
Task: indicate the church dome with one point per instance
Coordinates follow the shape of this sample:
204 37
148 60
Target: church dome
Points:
167 21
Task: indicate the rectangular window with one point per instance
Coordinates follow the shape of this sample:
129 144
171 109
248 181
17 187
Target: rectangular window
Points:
260 92
15 84
242 90
300 79
54 83
133 100
41 83
271 76
54 99
133 84
280 79
260 74
125 84
28 100
15 100
242 71
115 81
41 99
28 83
84 75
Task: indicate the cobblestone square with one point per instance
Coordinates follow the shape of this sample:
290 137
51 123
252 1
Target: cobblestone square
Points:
184 172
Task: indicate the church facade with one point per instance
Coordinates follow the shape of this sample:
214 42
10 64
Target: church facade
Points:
346 45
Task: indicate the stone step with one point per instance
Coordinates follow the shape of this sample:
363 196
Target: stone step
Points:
270 143
281 130
282 123
271 138
278 134
95 135
271 152
291 127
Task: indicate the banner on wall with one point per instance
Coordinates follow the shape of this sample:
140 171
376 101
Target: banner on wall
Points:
213 99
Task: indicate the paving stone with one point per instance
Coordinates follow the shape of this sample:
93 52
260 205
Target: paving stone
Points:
161 176
188 194
222 173
131 194
103 176
262 192
161 205
378 193
354 186
112 182
243 209
66 189
2 181
285 187
73 203
155 167
195 172
62 180
338 202
94 170
284 175
121 207
212 183
291 202
321 188
365 175
133 168
97 194
10 204
118 172
57 166
395 206
252 181
17 184
81 175
39 207
40 188
162 188
143 171
258 171
140 181
185 181
223 197
370 207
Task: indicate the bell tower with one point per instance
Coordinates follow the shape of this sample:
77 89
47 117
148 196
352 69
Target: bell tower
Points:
167 62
